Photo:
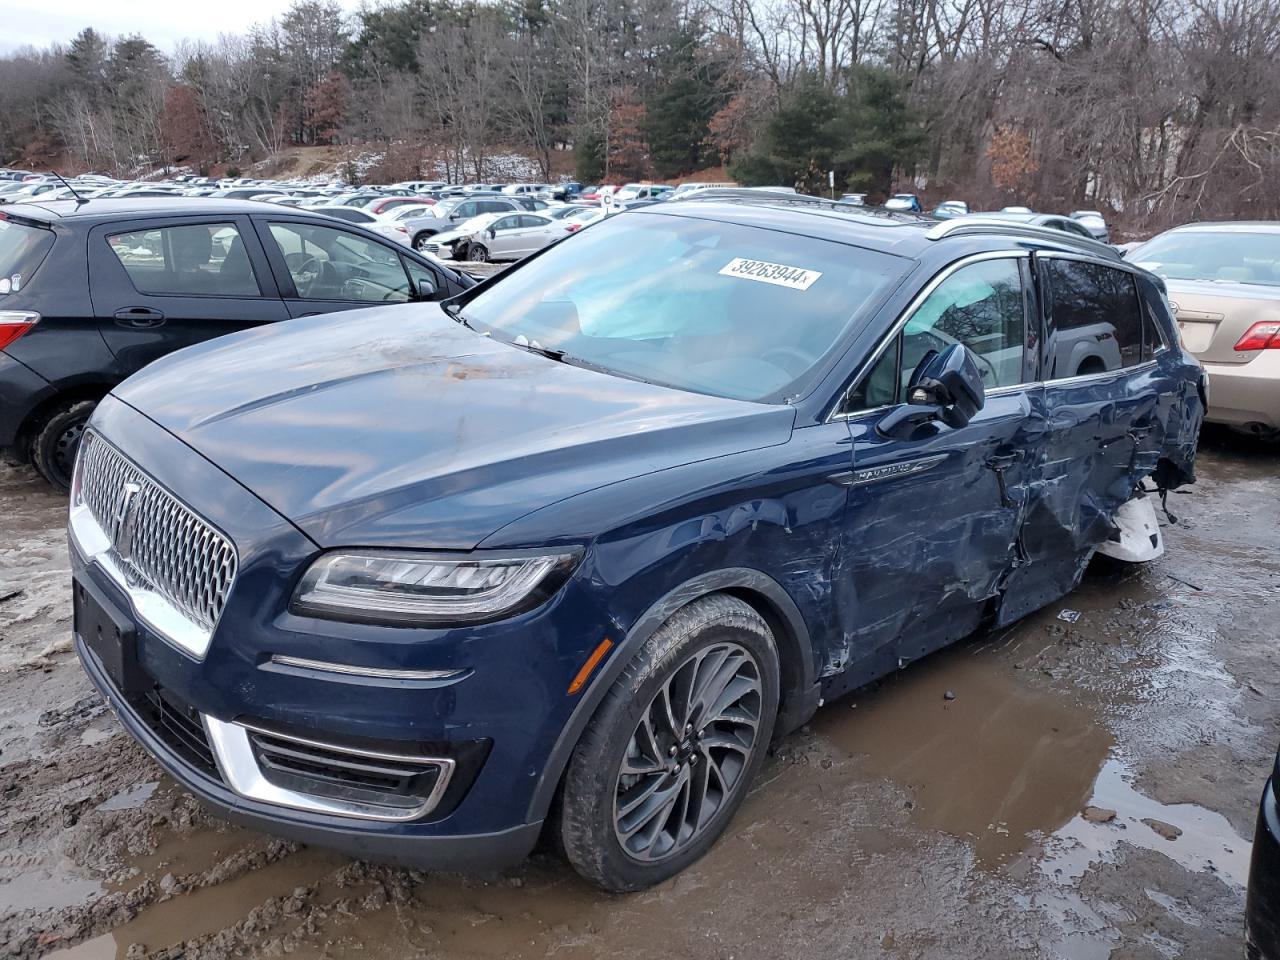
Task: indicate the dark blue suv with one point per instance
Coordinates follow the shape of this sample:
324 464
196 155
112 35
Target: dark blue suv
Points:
570 550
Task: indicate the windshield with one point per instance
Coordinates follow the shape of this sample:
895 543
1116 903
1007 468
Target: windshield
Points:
719 308
22 250
1232 256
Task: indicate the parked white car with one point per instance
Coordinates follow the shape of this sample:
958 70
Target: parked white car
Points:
524 189
386 226
492 236
687 188
419 186
584 218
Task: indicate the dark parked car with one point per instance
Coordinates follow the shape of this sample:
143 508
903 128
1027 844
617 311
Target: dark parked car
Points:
573 548
1262 905
93 293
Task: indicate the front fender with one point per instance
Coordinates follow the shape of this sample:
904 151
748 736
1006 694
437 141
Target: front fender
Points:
800 691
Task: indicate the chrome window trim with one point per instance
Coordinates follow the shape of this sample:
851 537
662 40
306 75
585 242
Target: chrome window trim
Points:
997 392
1088 258
1104 375
234 756
916 302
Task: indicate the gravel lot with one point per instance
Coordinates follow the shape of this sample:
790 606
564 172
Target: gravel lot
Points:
939 814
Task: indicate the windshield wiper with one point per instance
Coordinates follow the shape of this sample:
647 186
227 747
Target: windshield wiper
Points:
455 310
533 346
559 356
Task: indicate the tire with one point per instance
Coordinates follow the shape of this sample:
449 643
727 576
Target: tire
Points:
53 449
477 253
420 241
621 849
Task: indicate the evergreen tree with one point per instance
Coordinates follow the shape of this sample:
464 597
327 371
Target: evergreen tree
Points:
679 110
861 134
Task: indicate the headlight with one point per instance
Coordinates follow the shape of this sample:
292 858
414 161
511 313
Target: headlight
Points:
416 589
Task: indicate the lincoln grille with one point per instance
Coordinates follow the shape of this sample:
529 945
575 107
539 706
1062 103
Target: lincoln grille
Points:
170 549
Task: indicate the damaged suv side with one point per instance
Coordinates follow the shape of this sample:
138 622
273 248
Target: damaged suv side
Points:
567 552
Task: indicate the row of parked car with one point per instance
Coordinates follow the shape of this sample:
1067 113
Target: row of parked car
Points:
1089 223
566 524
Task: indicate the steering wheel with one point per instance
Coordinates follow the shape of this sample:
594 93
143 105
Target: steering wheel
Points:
306 270
791 359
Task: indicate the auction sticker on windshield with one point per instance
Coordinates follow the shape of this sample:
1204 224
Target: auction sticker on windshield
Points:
778 274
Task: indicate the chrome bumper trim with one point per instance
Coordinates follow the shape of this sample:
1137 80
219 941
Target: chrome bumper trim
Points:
351 670
234 755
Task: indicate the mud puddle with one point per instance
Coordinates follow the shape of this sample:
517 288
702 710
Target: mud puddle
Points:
993 766
206 910
900 824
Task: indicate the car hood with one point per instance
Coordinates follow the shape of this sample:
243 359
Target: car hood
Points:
397 426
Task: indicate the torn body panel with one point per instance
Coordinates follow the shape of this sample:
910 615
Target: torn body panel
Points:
930 532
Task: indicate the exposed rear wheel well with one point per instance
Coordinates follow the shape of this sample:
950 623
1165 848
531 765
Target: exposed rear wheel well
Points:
37 417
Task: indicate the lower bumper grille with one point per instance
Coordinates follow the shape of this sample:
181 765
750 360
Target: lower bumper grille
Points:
179 727
397 784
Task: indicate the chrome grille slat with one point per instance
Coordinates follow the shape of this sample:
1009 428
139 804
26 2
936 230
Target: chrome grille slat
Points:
173 551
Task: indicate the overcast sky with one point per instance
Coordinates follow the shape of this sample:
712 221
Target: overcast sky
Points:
39 23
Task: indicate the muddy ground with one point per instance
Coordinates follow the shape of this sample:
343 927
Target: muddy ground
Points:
899 824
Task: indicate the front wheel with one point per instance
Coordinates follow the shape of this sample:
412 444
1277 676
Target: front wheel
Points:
421 240
53 450
672 750
476 253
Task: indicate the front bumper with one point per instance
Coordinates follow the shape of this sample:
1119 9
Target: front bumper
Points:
449 852
442 251
498 716
1246 394
1262 905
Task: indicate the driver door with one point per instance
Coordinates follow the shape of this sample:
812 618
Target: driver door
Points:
933 518
322 268
507 239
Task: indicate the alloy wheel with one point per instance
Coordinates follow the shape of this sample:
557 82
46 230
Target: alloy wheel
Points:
688 752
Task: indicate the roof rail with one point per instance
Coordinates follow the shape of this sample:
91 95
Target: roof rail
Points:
961 225
761 194
753 193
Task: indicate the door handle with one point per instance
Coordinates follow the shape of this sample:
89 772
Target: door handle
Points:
998 464
139 317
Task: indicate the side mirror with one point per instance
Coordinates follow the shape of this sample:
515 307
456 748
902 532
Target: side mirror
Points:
426 288
491 233
947 386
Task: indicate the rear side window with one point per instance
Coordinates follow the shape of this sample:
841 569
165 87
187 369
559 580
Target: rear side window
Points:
1095 320
193 260
22 250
